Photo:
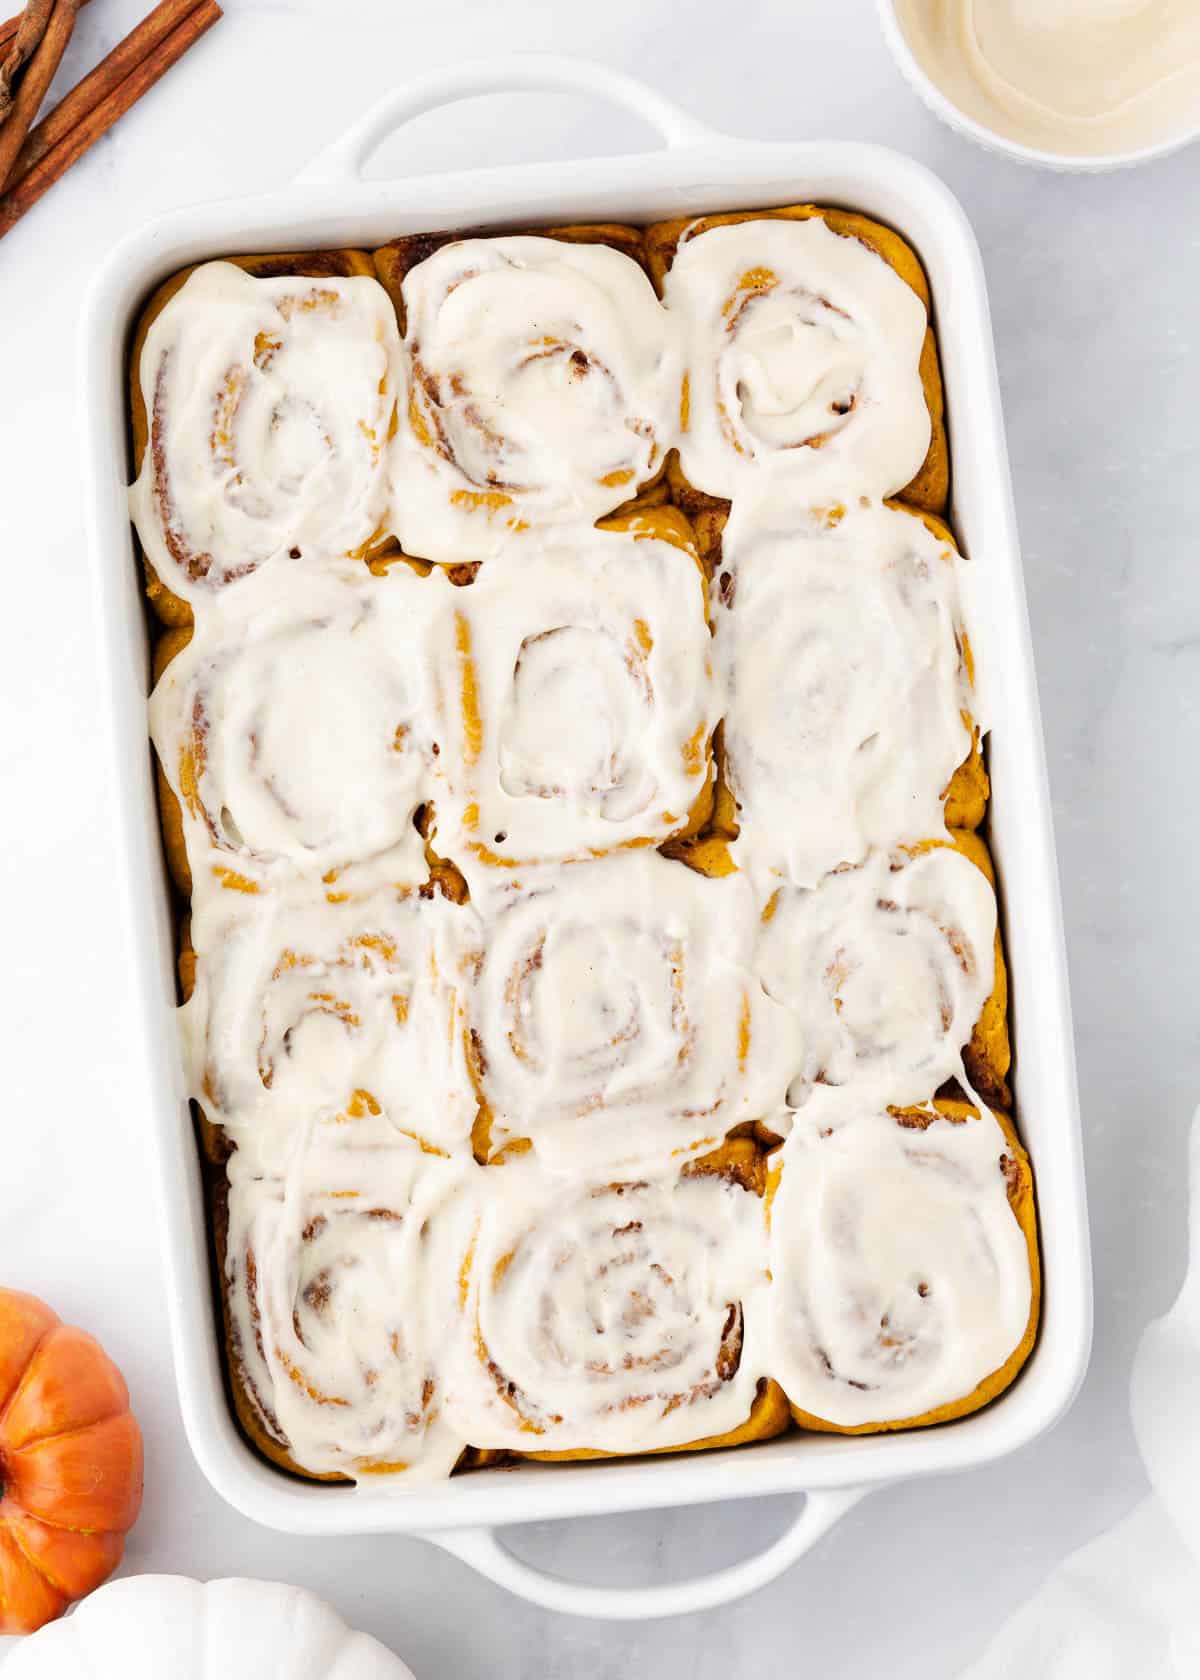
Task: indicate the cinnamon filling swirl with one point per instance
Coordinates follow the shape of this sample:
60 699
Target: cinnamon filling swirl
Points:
296 736
544 385
332 1310
599 1316
901 1272
349 1012
576 703
884 969
803 359
840 644
271 402
615 1017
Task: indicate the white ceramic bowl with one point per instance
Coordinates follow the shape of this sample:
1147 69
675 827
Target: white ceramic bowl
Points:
928 91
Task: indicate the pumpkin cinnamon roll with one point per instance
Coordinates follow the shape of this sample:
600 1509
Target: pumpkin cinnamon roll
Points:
904 1265
295 733
577 701
332 1334
544 389
809 352
615 1021
622 1317
352 1011
394 261
892 975
839 639
267 405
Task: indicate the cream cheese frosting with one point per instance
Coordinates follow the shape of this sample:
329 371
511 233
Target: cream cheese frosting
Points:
803 353
839 644
295 731
544 388
900 1276
269 403
348 1011
618 1317
884 969
333 1308
1077 77
576 702
617 1020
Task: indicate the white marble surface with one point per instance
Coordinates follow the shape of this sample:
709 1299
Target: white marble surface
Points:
1094 285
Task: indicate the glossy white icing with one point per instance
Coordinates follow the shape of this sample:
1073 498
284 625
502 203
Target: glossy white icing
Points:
900 1276
838 640
545 387
803 348
269 404
618 1317
577 702
883 969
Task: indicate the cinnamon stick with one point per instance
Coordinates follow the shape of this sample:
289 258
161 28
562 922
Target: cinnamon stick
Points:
27 31
39 73
97 122
9 28
99 83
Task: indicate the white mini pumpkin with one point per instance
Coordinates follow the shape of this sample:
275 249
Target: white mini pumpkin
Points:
149 1627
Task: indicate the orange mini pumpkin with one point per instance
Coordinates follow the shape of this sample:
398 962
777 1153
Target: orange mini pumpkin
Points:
70 1464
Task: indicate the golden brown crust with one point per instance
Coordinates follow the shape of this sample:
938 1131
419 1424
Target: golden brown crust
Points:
656 492
708 514
969 789
769 1415
170 608
738 1159
930 486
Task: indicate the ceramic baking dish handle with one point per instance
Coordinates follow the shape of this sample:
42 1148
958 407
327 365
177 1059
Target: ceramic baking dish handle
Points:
481 1548
517 73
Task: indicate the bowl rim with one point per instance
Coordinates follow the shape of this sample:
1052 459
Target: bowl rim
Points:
943 107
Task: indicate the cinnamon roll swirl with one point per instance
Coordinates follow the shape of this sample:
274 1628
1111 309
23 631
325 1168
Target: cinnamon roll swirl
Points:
332 1328
295 733
610 1317
395 261
892 975
903 1258
544 388
577 700
615 1022
839 640
268 406
809 352
352 1011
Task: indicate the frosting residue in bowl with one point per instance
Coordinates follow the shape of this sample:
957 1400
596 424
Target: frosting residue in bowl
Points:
1075 77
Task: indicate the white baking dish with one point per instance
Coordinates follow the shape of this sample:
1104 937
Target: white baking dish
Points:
698 170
